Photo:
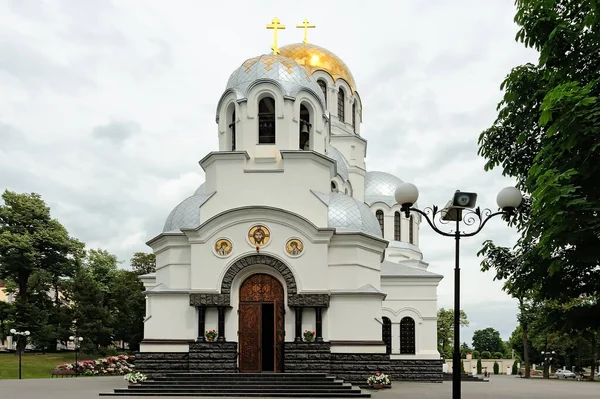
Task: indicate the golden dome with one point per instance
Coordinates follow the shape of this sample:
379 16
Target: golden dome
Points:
316 58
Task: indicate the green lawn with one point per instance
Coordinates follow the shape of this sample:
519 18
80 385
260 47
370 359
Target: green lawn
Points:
36 365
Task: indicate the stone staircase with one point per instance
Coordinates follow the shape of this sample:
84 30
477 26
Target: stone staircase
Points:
243 384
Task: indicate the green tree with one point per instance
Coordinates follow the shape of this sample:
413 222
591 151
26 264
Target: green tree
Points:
496 368
129 308
143 263
546 136
514 370
515 267
32 242
94 299
488 339
478 366
464 349
476 354
6 311
445 329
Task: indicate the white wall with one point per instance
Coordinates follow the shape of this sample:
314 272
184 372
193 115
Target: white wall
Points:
415 298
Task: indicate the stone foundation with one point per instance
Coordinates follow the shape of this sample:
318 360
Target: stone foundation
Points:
213 357
203 357
303 357
299 357
160 363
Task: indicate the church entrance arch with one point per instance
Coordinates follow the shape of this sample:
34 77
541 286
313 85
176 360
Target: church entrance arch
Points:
261 324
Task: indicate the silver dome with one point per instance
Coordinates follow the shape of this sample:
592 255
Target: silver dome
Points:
186 214
199 190
284 72
347 213
342 168
381 187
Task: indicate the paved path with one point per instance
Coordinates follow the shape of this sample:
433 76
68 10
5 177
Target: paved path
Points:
500 387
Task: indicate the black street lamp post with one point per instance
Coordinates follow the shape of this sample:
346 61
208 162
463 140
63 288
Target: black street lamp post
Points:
508 199
77 342
548 360
20 335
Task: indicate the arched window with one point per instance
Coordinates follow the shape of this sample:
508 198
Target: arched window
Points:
232 129
323 87
411 236
379 215
266 121
386 334
407 336
333 187
397 227
341 105
304 143
354 116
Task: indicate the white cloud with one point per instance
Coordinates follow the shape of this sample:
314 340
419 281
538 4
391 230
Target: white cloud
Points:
106 107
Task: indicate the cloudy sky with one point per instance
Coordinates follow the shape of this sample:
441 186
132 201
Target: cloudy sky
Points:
107 106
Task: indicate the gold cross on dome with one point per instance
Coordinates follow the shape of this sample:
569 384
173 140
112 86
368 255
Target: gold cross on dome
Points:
275 24
306 26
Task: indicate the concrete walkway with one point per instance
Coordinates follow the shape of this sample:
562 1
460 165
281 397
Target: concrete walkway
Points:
500 387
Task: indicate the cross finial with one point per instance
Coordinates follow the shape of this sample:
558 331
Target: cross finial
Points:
306 25
275 24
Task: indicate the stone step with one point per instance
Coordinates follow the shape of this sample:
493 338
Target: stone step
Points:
246 394
239 382
241 386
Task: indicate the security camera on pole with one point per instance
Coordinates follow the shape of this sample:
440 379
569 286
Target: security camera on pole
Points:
21 335
460 209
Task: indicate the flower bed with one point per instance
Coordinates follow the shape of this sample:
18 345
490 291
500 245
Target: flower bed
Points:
112 365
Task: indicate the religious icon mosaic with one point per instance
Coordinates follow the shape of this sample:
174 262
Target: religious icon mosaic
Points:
259 235
294 247
223 247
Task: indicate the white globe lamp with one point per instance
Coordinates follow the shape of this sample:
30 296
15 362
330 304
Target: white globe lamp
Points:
406 194
509 198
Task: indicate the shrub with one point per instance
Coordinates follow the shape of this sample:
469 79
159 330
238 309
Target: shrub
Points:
478 366
476 355
496 368
462 367
498 355
514 370
486 355
112 365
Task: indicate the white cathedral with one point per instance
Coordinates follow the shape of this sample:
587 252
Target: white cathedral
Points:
291 246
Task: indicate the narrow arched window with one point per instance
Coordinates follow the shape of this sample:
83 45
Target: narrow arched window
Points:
397 227
354 116
304 142
323 87
333 187
379 215
232 129
266 121
386 334
411 232
407 336
341 105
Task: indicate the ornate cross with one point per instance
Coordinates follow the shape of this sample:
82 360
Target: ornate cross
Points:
306 26
275 24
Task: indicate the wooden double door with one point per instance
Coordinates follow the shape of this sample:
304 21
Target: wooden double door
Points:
261 324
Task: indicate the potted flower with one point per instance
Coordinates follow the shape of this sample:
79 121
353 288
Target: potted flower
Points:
309 336
135 378
378 380
210 335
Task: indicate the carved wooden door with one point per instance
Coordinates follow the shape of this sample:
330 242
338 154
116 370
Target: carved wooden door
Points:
255 291
279 335
249 337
